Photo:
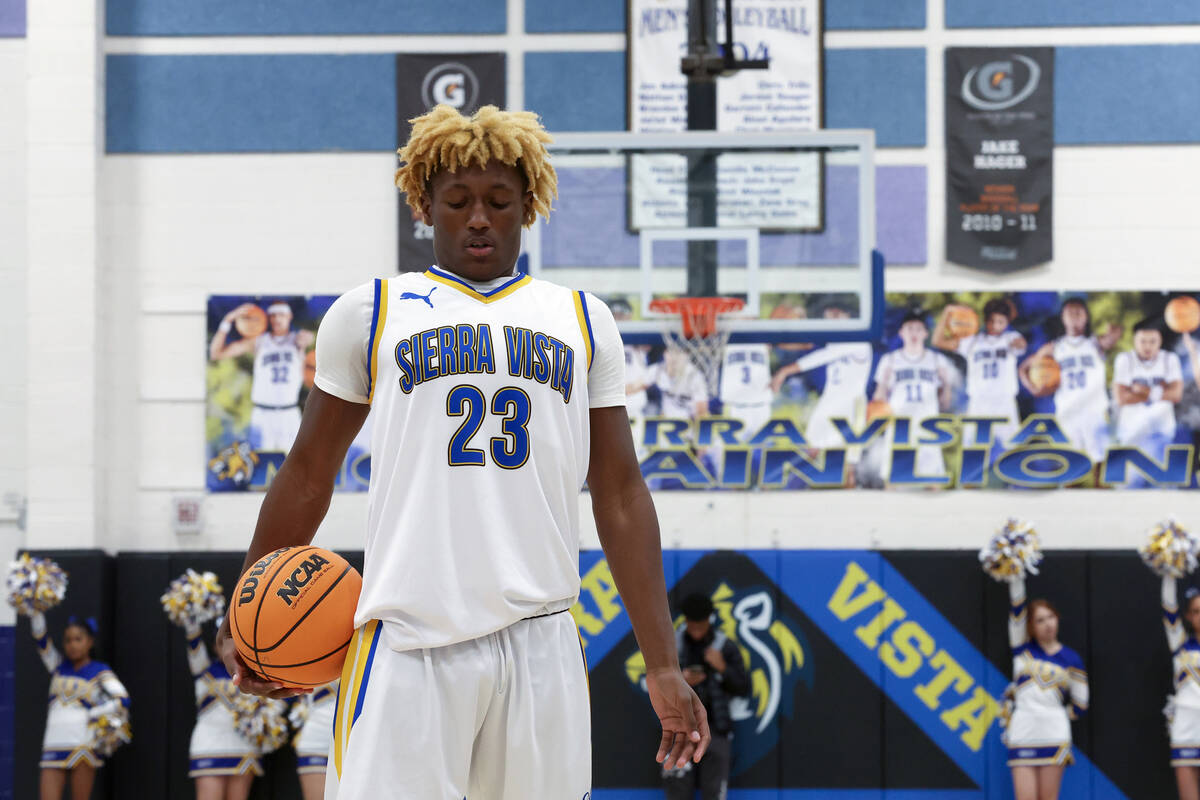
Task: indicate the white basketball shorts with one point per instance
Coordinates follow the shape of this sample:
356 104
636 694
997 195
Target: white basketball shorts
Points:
502 717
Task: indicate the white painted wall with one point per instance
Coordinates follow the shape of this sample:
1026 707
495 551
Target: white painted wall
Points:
174 229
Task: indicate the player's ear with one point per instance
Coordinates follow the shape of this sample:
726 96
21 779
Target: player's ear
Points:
527 205
427 209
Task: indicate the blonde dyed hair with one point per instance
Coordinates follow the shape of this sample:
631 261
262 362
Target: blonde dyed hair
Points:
444 139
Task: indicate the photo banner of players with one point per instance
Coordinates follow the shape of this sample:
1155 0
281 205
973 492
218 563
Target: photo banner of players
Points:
465 81
785 97
261 366
983 390
999 156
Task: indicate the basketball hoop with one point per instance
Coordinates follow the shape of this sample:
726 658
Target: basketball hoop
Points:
700 334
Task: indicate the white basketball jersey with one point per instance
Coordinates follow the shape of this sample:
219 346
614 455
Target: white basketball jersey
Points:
278 371
1082 377
991 367
746 374
680 392
915 383
847 370
480 398
1152 417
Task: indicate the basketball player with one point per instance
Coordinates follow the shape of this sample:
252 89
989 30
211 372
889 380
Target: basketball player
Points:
915 382
278 374
991 357
847 370
745 391
1080 400
1147 383
495 396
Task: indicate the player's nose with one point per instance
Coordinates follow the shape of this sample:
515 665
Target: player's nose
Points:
478 219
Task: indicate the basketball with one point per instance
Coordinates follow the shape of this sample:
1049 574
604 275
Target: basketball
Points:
1183 314
1045 374
963 321
251 322
878 408
292 616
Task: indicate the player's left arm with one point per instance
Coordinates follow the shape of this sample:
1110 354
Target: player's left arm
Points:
628 528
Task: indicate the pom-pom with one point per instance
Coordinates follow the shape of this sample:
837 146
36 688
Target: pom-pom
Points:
194 598
35 585
261 720
1170 550
1169 713
1013 552
301 708
109 731
1008 706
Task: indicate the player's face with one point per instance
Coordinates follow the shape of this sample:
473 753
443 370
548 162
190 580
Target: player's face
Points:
1074 319
77 643
833 312
697 629
913 333
281 322
1045 625
476 216
997 324
1147 344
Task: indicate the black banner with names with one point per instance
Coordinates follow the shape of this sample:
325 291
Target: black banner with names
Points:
999 156
424 80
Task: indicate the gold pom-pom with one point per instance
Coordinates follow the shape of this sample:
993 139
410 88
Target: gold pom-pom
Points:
261 720
35 585
1170 550
1013 552
109 731
194 598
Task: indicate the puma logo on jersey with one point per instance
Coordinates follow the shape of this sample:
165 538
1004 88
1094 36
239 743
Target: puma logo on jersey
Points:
415 296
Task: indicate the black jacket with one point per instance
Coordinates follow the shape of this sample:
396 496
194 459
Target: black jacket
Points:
717 688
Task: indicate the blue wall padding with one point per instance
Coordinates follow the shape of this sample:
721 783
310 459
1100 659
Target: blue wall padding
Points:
12 18
874 15
577 91
880 89
574 16
1054 13
250 103
1127 94
301 17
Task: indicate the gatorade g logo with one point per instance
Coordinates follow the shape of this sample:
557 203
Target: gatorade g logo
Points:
451 83
250 584
998 85
300 577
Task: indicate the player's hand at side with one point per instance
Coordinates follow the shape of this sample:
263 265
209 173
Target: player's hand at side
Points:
242 676
685 734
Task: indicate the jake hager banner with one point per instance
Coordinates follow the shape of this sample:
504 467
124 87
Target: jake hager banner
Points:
465 81
784 97
1030 389
260 370
882 675
999 156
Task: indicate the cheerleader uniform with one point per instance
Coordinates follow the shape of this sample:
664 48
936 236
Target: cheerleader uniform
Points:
1051 690
76 697
216 747
1185 662
313 741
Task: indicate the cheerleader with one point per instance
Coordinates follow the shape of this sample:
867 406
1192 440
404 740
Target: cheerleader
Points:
1051 690
222 762
80 690
1185 721
314 739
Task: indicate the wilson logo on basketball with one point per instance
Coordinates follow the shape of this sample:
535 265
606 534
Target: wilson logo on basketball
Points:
250 584
301 575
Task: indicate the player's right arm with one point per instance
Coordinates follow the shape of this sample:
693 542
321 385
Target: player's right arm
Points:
1125 390
218 349
1023 370
883 378
299 495
943 339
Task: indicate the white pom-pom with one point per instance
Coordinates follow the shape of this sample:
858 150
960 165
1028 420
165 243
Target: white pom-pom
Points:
35 585
1008 706
194 598
261 721
109 731
1013 552
1170 550
301 709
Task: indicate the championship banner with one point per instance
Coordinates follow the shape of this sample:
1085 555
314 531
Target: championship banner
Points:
784 97
465 81
261 366
967 389
999 156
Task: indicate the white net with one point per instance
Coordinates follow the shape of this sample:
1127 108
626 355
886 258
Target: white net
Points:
700 333
705 352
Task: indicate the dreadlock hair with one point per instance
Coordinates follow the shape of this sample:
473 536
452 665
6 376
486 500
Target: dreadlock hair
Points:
444 139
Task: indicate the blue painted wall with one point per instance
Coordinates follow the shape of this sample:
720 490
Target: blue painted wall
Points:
12 18
880 89
593 99
1076 13
873 14
299 17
